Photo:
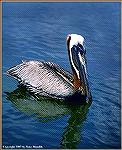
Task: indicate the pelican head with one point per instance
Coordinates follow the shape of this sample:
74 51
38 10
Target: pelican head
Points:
77 51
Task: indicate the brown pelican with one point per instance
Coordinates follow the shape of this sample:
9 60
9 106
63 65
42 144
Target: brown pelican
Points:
49 79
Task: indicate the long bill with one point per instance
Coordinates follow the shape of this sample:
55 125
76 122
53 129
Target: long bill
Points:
79 66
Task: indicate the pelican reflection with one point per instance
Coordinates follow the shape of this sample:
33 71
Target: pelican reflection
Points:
46 109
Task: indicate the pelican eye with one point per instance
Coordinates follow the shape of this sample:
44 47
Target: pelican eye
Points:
81 49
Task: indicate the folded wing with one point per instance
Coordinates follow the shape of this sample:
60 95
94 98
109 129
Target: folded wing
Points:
43 78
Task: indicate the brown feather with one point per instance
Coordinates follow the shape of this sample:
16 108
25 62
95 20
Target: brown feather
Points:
76 82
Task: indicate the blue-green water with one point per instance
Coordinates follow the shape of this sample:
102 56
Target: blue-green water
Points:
38 31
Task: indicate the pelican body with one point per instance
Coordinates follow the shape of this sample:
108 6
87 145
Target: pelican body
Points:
51 80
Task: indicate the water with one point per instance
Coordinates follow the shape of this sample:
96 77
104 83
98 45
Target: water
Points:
38 31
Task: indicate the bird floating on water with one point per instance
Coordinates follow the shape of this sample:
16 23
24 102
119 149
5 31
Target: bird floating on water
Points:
49 79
